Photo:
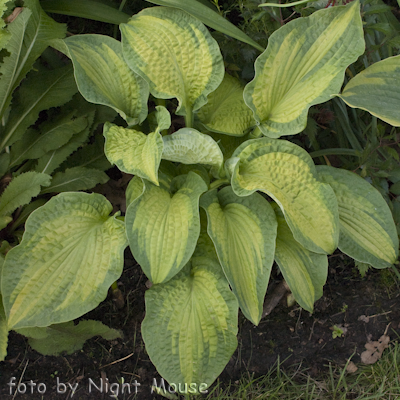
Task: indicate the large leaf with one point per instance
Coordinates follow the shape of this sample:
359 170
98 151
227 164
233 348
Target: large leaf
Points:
210 18
31 32
163 228
367 230
189 146
287 173
134 152
20 192
243 230
3 332
40 91
74 179
103 77
303 65
70 254
226 112
175 54
67 337
377 90
304 271
191 325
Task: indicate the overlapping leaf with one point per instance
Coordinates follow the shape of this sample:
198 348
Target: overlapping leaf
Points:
70 254
367 230
189 146
163 228
226 112
287 173
377 90
103 77
303 65
243 230
175 54
304 271
3 332
191 325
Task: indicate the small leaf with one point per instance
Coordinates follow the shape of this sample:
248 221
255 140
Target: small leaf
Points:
21 190
70 254
189 146
103 77
175 54
3 331
163 228
134 152
243 230
381 79
367 230
304 271
226 112
67 337
303 65
191 325
287 173
75 179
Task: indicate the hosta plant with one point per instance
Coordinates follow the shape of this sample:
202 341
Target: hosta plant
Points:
217 196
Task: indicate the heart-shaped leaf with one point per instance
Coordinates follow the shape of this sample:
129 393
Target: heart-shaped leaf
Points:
303 65
70 254
287 173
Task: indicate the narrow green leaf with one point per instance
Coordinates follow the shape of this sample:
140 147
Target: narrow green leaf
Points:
381 79
31 32
304 271
287 173
303 65
21 190
367 230
175 54
191 325
226 112
74 179
52 135
89 9
67 337
243 230
40 91
189 146
3 332
70 254
103 77
163 229
210 18
134 152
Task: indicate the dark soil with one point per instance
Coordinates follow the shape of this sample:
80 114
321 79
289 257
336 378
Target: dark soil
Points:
290 334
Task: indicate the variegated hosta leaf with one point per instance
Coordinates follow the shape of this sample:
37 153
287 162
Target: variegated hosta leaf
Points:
304 271
103 77
243 230
303 65
134 190
367 230
175 54
191 325
163 228
70 254
226 112
377 90
133 152
189 146
287 173
3 332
